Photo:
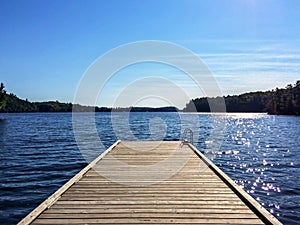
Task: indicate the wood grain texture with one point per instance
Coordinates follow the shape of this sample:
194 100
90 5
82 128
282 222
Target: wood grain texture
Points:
128 185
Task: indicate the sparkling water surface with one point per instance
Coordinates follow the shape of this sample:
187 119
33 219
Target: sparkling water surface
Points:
259 152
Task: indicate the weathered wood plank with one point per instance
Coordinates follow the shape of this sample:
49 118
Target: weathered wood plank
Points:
133 191
148 210
125 215
150 202
149 206
147 194
149 221
143 198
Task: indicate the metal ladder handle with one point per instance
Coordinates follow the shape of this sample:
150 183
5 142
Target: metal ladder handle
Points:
184 136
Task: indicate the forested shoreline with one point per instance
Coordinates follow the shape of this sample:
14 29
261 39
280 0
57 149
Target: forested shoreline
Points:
285 101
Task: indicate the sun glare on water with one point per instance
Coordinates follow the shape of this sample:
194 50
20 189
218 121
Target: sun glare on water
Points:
245 115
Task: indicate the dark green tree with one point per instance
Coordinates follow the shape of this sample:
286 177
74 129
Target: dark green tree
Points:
2 94
285 101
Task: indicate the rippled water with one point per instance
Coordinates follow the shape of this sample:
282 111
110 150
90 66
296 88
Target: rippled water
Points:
260 152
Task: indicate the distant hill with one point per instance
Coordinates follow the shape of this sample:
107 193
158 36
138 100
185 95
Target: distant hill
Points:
13 104
284 101
249 102
147 109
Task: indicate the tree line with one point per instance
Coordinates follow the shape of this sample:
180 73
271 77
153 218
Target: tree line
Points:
284 101
10 103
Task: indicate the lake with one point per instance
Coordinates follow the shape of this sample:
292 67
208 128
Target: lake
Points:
39 153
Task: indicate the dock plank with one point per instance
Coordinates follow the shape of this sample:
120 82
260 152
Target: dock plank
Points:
162 220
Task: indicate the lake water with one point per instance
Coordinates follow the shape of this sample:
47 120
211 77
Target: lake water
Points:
259 152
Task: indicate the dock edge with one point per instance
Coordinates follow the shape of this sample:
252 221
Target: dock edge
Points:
259 210
57 194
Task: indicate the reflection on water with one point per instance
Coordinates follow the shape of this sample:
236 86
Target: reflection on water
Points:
260 152
267 165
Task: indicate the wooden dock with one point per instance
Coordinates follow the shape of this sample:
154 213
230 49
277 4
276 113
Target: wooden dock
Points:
150 183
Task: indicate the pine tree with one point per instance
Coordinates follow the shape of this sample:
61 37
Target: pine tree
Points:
2 94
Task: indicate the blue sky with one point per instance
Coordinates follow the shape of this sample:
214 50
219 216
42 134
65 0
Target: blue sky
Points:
46 46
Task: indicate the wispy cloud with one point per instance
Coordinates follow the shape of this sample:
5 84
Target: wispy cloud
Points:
251 66
239 67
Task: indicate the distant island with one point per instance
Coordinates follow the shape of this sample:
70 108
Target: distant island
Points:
285 101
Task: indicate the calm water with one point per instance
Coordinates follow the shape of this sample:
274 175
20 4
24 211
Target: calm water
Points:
260 152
